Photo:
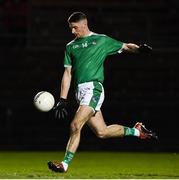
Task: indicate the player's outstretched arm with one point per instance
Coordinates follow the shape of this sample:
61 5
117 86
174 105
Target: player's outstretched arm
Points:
134 48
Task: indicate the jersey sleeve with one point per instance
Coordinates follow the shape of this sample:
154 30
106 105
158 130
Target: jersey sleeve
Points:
112 46
67 58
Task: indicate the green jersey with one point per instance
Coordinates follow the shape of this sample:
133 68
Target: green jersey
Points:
86 56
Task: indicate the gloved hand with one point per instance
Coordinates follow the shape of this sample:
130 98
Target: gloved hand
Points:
144 48
60 109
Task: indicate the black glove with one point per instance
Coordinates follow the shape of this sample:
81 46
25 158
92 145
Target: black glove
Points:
60 109
144 48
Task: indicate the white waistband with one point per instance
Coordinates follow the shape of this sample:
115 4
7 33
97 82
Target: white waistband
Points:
85 84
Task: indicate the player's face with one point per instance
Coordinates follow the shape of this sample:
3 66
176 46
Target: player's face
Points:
78 28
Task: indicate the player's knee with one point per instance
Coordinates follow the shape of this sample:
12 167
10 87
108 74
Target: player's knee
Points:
75 127
101 134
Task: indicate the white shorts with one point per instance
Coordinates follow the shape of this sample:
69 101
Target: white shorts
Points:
90 94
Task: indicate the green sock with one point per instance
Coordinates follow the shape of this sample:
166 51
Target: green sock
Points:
130 131
68 157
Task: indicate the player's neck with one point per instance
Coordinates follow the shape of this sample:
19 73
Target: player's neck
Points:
87 33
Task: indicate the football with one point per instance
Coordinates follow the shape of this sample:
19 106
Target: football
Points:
44 101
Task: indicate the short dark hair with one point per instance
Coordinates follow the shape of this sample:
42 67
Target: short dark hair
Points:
76 17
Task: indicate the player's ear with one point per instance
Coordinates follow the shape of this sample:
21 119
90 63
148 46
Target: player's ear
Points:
84 22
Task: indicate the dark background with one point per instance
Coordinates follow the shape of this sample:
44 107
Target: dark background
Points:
33 35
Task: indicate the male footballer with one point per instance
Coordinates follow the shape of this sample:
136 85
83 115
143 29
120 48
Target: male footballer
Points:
84 59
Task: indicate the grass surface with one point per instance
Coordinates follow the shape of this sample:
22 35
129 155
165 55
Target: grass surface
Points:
91 165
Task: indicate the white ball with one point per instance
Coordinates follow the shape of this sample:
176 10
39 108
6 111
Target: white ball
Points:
44 101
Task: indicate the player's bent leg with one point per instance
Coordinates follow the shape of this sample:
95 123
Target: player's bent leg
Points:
99 127
83 114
